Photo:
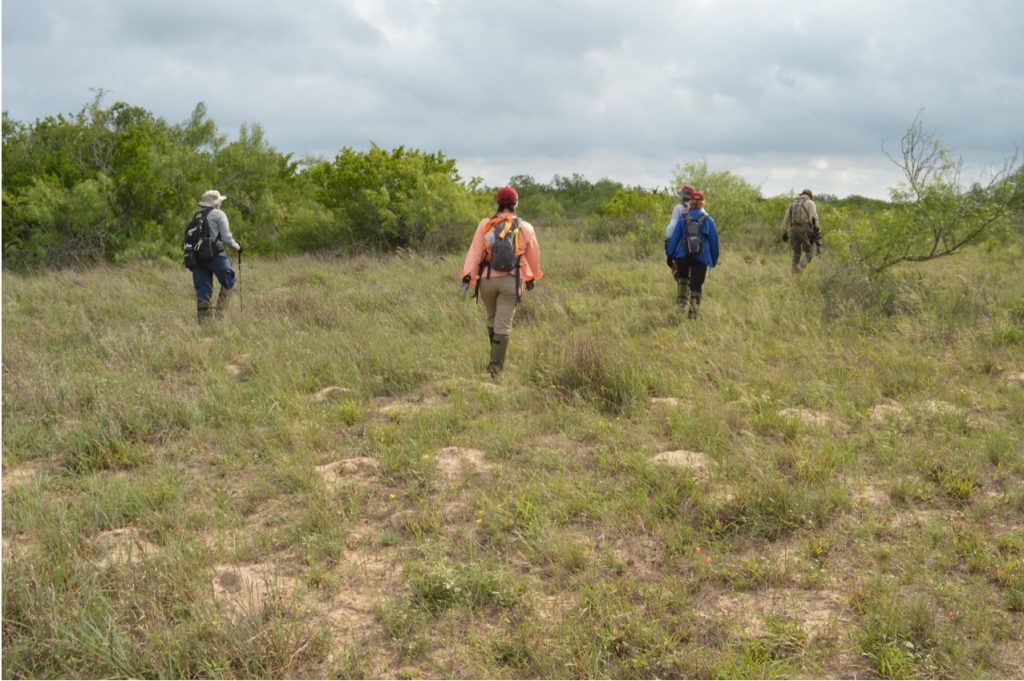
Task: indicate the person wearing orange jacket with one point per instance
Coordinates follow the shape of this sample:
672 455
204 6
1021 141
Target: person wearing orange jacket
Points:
503 262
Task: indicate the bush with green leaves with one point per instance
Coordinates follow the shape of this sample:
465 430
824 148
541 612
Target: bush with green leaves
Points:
403 198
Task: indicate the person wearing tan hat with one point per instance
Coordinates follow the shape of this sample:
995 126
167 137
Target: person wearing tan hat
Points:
204 270
800 221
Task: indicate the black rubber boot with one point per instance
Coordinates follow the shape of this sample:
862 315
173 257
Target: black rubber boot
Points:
203 311
682 292
222 301
499 347
694 310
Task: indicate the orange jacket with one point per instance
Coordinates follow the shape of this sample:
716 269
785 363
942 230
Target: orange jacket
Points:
479 252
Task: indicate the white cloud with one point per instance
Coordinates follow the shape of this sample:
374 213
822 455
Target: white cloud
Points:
626 91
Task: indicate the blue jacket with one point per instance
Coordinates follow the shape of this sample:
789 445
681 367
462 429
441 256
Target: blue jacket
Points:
676 246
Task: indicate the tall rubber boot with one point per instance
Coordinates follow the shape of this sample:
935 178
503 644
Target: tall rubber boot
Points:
694 310
499 346
222 301
203 311
682 292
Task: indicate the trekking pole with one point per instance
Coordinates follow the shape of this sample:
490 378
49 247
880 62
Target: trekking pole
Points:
240 308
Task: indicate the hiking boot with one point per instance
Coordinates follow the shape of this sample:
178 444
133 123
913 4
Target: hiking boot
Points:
797 268
499 346
222 301
682 292
203 311
694 310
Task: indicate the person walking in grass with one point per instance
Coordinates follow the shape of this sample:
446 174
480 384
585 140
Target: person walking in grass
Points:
800 229
503 262
213 220
691 251
685 193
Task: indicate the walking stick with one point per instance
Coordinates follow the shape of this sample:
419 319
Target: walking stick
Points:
240 308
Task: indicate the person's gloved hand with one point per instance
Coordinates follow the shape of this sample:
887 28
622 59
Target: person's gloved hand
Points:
785 236
669 260
465 283
529 285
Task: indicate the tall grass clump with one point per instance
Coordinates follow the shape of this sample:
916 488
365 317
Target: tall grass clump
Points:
584 369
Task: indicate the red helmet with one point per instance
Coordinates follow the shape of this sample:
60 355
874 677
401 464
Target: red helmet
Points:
507 196
686 192
697 196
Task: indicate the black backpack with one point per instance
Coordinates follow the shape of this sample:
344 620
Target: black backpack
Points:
503 239
692 233
199 247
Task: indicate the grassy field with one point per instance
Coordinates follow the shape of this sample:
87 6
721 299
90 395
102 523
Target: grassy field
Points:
821 477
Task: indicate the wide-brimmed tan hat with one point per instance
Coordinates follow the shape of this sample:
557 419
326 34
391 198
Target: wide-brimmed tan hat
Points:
211 198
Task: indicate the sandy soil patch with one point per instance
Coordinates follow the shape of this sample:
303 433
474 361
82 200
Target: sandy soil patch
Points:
396 408
915 518
695 462
19 475
246 589
362 467
673 402
747 613
939 408
124 545
810 417
888 411
1015 377
241 368
870 495
454 462
331 392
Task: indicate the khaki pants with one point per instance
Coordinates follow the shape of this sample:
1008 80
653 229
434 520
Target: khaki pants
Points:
499 297
800 243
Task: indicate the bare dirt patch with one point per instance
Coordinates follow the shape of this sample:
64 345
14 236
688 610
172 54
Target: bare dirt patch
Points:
870 495
121 546
454 462
331 392
1015 377
811 417
241 368
695 462
372 576
396 408
246 589
939 408
22 474
673 402
362 467
888 411
814 610
915 518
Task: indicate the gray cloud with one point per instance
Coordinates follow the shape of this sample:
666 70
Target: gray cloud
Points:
784 96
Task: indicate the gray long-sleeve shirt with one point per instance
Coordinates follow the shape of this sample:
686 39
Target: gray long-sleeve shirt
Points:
677 213
220 232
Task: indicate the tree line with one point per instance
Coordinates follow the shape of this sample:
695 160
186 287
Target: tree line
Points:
116 183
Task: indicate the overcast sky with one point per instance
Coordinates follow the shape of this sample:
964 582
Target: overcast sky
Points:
784 94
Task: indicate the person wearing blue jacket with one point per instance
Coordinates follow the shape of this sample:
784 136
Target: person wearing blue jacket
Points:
691 251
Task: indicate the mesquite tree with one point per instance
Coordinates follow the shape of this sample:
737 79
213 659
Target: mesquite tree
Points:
935 213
